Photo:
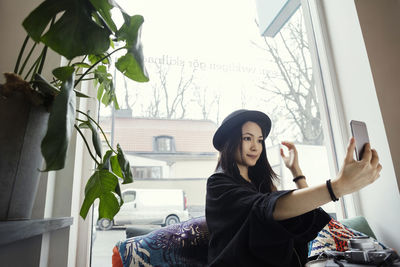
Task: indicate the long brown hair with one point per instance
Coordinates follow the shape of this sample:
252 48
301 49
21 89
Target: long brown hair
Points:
261 173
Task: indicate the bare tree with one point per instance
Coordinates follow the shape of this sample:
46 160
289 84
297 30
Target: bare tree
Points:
293 79
169 98
209 103
153 109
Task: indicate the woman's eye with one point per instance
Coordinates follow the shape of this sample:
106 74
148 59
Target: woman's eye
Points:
246 138
260 141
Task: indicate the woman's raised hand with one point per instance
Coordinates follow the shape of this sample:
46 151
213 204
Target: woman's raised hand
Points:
292 160
355 175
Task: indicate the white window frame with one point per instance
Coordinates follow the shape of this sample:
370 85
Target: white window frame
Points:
332 113
334 122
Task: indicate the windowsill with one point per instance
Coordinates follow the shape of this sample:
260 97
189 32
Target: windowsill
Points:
11 231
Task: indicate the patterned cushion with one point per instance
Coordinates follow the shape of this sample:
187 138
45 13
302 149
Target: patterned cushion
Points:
183 244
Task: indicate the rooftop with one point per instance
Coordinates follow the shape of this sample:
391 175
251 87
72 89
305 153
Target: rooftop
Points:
137 134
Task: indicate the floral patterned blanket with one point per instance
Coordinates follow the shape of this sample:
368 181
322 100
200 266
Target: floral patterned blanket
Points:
182 244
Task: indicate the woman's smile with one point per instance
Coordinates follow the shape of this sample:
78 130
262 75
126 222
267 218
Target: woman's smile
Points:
253 156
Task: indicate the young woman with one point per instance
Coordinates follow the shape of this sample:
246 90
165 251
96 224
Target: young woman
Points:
250 222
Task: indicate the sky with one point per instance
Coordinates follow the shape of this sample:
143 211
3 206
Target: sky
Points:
197 29
214 37
221 41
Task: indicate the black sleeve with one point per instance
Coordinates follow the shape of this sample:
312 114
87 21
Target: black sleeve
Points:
240 219
230 202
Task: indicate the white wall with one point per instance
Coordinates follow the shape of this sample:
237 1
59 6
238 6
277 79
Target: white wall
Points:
193 168
379 202
142 161
380 25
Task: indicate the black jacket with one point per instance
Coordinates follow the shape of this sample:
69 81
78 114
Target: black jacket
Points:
243 231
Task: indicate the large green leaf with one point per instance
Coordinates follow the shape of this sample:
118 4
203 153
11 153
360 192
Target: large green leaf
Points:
63 73
61 120
75 33
40 17
132 63
130 30
131 68
125 166
111 163
102 184
116 168
104 8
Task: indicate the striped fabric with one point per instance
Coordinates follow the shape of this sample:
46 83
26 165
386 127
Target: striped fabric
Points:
334 236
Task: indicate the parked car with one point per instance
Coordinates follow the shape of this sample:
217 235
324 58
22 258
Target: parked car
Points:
149 206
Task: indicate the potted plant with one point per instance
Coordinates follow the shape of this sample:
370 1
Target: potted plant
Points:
83 32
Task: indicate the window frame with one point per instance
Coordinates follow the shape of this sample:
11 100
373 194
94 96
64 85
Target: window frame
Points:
159 138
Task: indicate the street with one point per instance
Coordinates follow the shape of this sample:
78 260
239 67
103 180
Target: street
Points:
103 245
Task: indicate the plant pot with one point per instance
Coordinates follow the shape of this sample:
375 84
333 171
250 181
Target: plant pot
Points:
23 127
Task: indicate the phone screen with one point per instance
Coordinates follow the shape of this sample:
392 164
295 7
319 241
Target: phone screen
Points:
360 133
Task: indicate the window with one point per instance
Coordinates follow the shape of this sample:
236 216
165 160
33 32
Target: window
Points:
164 144
129 196
195 83
147 172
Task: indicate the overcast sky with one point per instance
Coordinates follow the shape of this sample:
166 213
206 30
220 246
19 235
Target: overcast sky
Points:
215 36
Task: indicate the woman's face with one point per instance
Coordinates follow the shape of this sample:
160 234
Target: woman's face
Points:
252 140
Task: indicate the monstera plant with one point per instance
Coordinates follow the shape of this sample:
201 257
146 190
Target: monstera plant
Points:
83 32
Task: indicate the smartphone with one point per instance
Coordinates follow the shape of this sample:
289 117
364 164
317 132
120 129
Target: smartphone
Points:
360 133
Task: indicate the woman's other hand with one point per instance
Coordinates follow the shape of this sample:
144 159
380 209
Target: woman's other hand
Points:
355 175
292 160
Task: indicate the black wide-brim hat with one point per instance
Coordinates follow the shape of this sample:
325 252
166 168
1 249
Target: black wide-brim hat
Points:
238 118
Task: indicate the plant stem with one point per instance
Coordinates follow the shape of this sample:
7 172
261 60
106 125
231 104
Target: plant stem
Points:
86 143
79 74
38 62
21 52
44 51
26 60
97 62
43 58
31 69
104 135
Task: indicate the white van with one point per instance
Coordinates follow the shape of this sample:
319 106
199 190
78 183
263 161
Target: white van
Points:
149 206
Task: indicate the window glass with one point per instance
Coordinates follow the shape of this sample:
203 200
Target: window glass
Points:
204 63
146 171
129 196
164 144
